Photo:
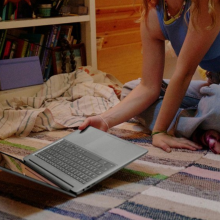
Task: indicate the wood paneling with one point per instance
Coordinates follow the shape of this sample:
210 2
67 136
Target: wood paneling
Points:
126 37
116 22
124 62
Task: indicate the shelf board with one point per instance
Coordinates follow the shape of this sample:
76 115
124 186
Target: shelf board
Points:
18 23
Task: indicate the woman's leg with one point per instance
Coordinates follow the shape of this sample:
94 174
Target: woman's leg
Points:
209 138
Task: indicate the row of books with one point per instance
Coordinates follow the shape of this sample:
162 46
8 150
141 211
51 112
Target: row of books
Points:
38 43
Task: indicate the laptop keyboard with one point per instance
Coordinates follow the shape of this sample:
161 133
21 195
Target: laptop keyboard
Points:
75 161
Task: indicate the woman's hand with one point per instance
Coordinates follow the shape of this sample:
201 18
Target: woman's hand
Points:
166 142
96 122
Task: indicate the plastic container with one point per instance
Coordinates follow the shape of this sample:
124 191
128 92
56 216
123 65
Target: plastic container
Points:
45 10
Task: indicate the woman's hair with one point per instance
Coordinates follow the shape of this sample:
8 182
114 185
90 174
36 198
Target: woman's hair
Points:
148 4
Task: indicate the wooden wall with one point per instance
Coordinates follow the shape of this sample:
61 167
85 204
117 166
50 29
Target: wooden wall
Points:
121 50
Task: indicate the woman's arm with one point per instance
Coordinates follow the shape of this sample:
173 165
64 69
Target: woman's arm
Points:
148 90
197 42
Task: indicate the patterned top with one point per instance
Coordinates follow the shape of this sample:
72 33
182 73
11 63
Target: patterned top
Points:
176 30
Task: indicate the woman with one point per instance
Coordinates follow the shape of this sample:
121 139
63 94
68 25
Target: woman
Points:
193 27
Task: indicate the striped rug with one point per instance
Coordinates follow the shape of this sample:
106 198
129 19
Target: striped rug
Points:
178 185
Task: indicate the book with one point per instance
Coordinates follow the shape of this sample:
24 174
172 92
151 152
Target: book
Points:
4 13
13 49
2 41
24 48
7 49
10 11
47 48
53 44
29 50
2 32
36 41
58 35
40 45
21 48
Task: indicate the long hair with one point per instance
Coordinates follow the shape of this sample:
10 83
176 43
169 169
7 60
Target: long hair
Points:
148 4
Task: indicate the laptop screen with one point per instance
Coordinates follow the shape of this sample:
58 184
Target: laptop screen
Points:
15 166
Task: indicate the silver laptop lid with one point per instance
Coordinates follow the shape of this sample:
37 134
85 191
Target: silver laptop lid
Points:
99 144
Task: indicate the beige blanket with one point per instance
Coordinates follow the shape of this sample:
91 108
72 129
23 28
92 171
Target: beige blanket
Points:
65 100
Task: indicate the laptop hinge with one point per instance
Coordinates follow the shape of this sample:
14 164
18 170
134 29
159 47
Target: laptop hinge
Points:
50 176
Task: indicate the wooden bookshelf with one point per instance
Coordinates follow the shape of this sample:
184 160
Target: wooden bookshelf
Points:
20 23
88 33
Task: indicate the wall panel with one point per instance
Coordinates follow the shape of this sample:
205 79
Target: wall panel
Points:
116 24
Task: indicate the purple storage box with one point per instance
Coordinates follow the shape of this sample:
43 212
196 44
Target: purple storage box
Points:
20 72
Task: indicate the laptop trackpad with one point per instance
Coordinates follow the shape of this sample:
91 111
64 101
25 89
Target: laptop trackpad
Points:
110 148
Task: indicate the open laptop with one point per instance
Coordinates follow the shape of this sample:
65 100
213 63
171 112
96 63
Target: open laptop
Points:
79 160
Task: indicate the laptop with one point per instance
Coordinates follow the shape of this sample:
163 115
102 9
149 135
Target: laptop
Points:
80 160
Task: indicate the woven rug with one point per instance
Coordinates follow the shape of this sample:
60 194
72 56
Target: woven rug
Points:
177 185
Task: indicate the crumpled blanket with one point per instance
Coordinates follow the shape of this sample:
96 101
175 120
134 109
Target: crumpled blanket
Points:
64 101
205 117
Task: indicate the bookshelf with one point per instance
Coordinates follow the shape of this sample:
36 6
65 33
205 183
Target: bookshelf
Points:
88 33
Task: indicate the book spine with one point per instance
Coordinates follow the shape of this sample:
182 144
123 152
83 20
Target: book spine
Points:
49 59
57 37
36 50
13 49
3 41
30 50
40 45
7 50
2 32
24 48
47 45
44 51
4 13
10 11
18 51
